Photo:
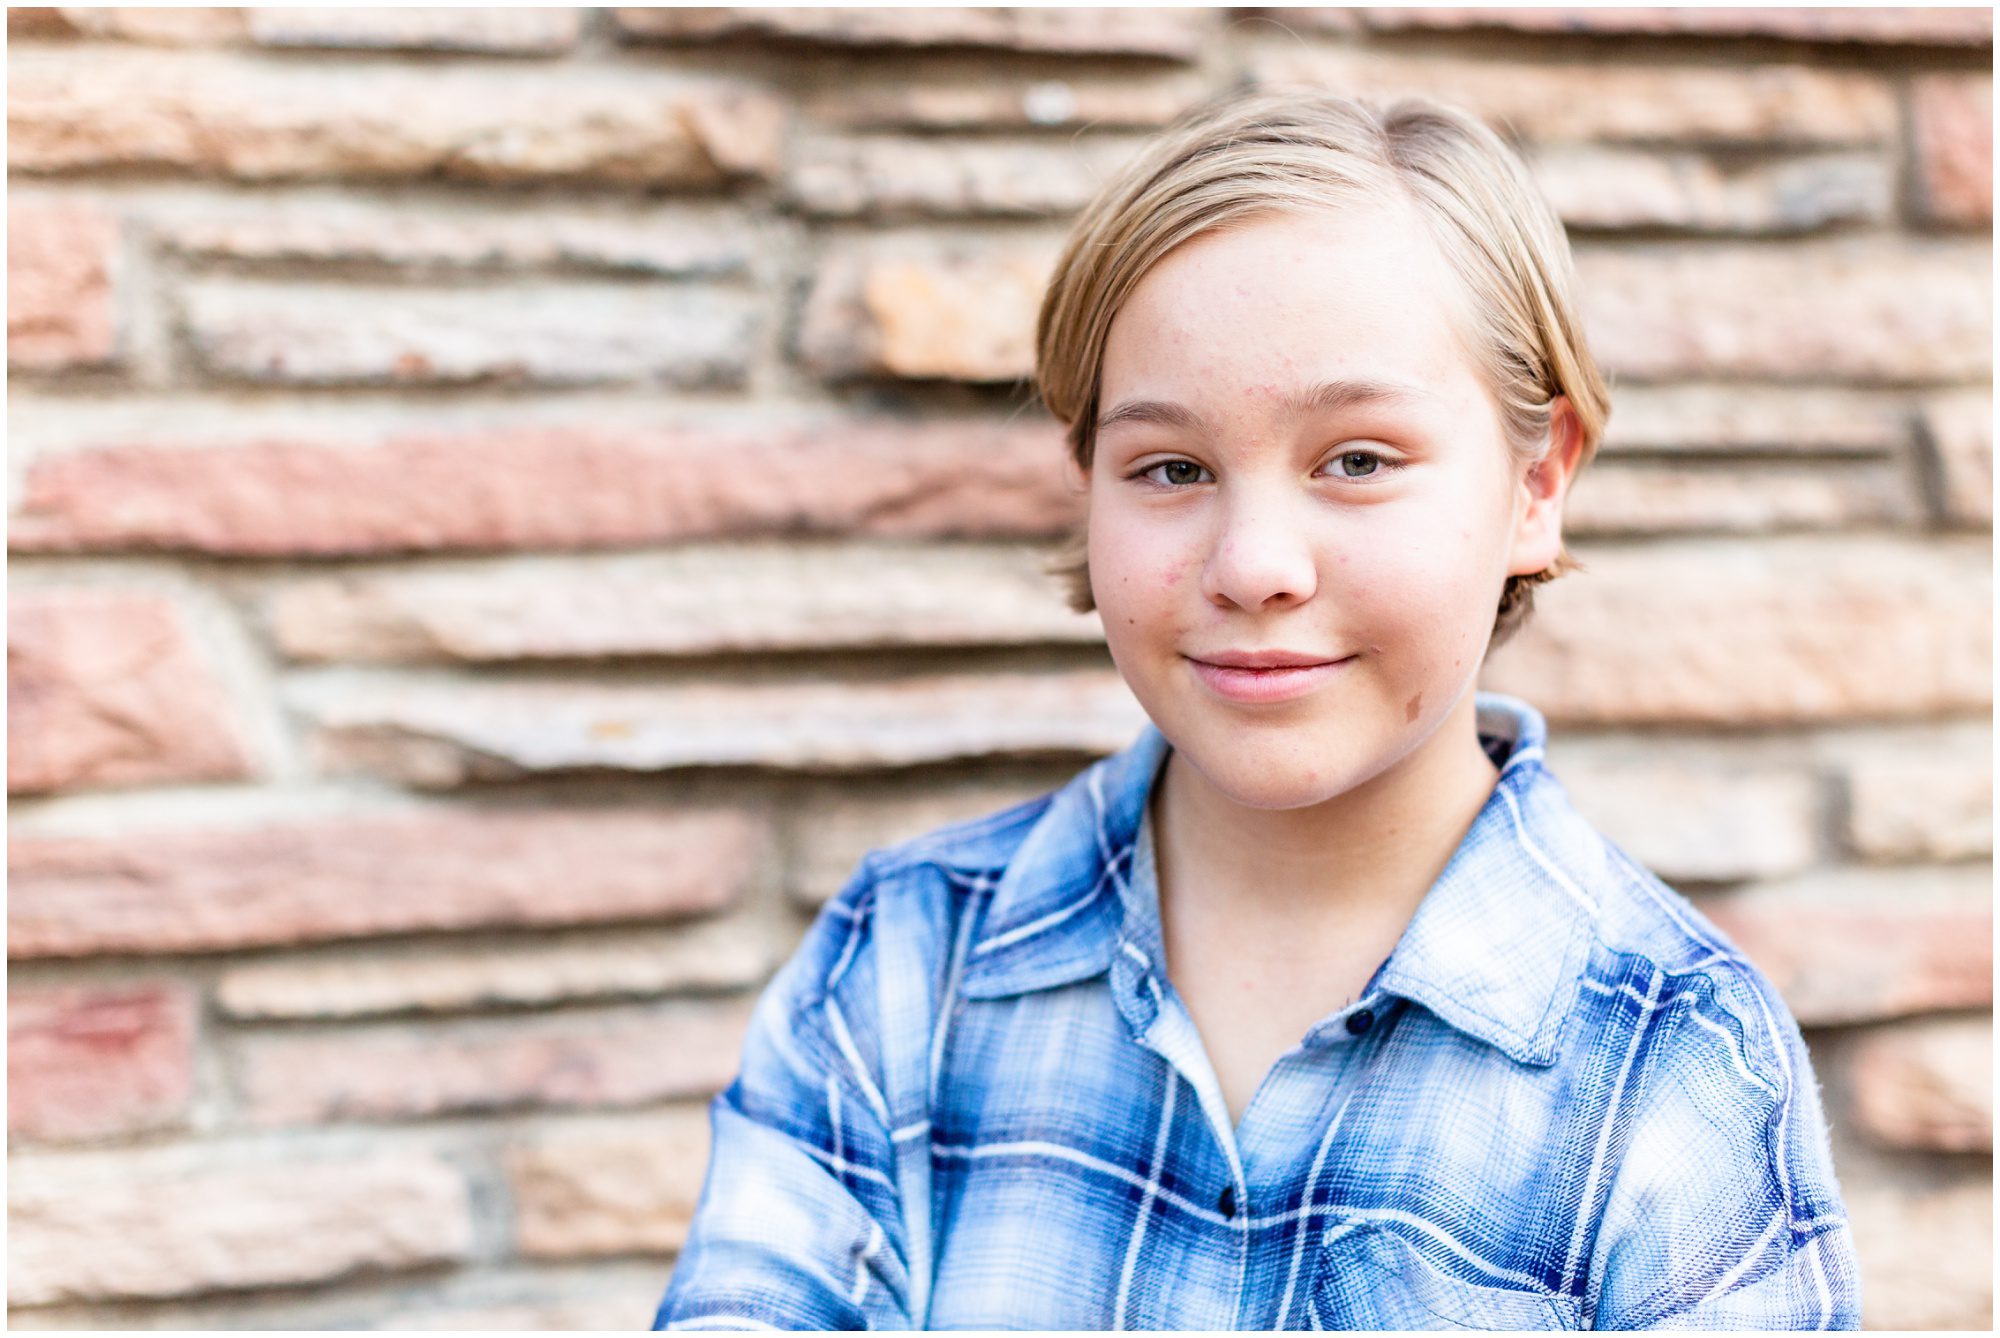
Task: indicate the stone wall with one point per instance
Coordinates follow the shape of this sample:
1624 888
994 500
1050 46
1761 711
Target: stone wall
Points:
507 505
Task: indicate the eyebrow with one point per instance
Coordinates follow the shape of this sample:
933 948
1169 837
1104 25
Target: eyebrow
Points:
1325 397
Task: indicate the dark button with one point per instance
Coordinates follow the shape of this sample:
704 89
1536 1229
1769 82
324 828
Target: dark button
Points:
1227 1203
1359 1021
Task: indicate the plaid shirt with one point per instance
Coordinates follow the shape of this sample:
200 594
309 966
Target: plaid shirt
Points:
974 1100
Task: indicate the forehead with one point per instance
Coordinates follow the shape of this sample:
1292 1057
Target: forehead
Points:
1279 302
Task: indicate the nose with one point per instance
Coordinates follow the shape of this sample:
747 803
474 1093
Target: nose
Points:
1261 557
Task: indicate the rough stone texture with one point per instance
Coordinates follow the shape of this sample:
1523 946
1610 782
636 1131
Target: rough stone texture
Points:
1780 630
551 488
599 1305
1599 186
1174 34
958 312
709 955
1663 497
183 1222
181 891
1851 945
834 830
999 99
1937 805
335 334
1860 308
1958 444
1925 1084
1925 1245
211 114
1793 105
447 733
1696 824
907 176
105 688
1754 420
524 31
328 229
608 1188
1951 132
1920 26
61 256
85 1061
734 598
624 1057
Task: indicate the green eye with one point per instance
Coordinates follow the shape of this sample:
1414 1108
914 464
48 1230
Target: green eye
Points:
1371 462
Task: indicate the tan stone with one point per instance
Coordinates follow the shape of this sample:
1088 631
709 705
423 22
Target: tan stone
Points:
1606 186
520 31
1925 1243
1925 1083
216 114
959 313
608 1188
187 1221
707 955
1002 100
1958 444
1691 823
106 688
1850 307
1778 630
437 734
742 598
84 1061
1952 133
331 334
189 891
168 26
1793 105
61 256
1852 945
550 488
1932 806
1921 26
1660 497
909 176
600 1305
331 229
1172 33
836 829
1772 420
610 1057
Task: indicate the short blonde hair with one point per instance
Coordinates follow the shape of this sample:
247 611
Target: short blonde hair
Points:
1299 150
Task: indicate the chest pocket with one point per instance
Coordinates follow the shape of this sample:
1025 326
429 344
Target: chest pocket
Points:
1369 1276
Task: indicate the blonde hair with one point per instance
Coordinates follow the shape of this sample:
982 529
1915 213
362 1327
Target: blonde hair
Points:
1247 153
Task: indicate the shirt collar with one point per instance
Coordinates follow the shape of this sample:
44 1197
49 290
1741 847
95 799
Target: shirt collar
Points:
1496 947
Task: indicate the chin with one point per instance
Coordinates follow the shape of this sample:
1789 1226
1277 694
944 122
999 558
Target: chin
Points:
1271 772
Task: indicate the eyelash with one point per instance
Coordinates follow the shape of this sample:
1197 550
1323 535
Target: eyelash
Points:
1388 466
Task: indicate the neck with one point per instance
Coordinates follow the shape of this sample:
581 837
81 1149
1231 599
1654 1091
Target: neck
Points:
1372 850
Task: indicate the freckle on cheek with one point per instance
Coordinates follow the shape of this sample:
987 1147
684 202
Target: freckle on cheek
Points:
1410 711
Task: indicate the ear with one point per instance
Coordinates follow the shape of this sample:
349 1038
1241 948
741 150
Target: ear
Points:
1538 528
1074 476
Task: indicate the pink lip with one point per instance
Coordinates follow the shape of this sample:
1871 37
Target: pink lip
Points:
1267 685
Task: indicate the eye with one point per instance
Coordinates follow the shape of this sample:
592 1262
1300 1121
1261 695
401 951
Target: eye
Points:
1176 473
1358 464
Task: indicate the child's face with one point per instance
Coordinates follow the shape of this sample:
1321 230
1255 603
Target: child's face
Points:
1274 534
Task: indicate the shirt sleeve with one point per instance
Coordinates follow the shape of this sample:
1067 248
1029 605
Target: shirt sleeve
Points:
798 1225
1725 1212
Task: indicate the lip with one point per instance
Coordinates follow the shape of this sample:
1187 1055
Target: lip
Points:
1267 685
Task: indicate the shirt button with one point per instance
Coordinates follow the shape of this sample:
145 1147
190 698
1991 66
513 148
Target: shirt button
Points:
1227 1203
1360 1021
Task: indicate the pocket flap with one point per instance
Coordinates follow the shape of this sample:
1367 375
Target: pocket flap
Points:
1369 1276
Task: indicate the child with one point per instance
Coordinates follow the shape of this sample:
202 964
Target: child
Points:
1318 1006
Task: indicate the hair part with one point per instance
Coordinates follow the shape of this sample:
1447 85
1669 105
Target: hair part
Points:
1297 150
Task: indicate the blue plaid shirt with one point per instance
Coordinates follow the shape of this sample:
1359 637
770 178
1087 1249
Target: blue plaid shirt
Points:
974 1100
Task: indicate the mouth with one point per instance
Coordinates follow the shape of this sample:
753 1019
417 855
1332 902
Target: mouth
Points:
1258 686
